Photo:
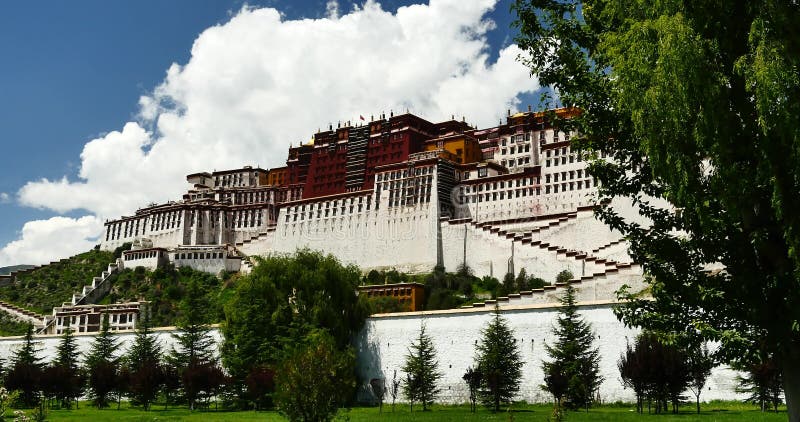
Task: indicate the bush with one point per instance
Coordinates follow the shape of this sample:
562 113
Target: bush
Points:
315 379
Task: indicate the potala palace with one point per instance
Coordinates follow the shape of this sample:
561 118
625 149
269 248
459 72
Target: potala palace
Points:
404 193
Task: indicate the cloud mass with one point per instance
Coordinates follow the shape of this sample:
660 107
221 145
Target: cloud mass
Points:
257 84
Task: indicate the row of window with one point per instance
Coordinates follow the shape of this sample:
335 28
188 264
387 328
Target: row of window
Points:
580 184
515 150
328 208
199 255
132 256
572 174
502 184
401 174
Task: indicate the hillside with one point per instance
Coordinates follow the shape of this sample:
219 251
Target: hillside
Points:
165 289
12 268
46 287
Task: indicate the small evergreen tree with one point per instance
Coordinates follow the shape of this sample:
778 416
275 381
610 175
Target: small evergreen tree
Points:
68 385
498 360
194 349
762 382
25 371
521 282
421 368
573 356
144 366
102 366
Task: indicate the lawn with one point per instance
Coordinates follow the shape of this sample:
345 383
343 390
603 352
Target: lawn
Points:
711 413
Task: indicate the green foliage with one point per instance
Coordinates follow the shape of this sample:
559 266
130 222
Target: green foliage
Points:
194 355
11 327
762 382
387 304
564 276
315 379
656 370
498 360
422 371
122 248
145 375
284 299
66 379
25 370
102 366
473 378
573 370
44 288
165 289
702 102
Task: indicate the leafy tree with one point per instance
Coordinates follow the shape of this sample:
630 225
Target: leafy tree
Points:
102 366
194 351
282 300
498 360
656 370
315 379
68 379
378 387
143 363
395 389
260 383
25 371
704 115
573 357
699 363
422 368
564 276
473 377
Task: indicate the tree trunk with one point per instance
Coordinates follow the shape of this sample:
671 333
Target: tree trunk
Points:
698 404
790 363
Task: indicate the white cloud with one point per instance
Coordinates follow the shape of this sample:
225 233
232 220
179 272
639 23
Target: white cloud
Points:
258 83
44 240
4 198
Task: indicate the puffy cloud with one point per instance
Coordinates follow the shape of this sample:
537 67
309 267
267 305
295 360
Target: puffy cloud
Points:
258 83
44 240
4 198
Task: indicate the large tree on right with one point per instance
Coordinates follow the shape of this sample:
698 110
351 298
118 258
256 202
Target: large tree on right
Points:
698 103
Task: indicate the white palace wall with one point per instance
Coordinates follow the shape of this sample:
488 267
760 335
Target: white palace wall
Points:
383 344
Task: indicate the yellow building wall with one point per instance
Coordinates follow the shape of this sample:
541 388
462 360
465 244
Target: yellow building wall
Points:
467 150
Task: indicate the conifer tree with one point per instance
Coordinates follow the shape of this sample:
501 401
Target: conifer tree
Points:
69 382
102 366
498 360
422 371
572 357
25 370
194 352
144 366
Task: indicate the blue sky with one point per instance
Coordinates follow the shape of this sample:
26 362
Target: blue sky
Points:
75 71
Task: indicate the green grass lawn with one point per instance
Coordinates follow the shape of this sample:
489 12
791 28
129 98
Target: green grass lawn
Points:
711 413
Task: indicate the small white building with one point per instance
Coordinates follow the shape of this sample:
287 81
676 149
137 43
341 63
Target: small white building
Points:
89 318
209 258
150 258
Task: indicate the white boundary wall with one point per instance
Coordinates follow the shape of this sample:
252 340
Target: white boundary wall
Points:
383 344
